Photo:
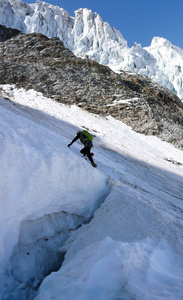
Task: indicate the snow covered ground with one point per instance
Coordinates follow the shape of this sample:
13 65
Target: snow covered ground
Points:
130 249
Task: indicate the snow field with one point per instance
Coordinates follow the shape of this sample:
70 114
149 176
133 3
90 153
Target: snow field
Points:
132 248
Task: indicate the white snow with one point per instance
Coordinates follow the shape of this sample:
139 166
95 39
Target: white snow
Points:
87 35
131 249
116 102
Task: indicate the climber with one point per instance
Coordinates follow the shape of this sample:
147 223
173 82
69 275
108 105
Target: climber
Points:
86 138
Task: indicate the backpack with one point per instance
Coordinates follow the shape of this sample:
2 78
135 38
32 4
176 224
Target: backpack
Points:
87 136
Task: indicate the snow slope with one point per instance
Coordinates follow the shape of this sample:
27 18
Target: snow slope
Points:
39 177
87 35
132 247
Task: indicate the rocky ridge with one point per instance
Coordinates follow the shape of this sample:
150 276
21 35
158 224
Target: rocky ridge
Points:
37 62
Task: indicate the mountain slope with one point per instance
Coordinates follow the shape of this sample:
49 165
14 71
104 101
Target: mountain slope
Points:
87 35
35 61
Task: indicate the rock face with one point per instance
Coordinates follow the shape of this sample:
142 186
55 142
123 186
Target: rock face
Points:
35 61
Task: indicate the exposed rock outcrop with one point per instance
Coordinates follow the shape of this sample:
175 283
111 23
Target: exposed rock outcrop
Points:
37 62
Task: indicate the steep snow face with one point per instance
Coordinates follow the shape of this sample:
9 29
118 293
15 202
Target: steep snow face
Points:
169 59
51 21
93 37
13 13
41 17
87 35
162 62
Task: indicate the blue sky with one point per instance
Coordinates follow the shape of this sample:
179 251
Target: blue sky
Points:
137 20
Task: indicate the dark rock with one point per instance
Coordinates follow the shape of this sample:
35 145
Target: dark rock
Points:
7 33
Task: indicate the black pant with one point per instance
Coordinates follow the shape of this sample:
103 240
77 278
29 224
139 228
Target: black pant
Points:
86 151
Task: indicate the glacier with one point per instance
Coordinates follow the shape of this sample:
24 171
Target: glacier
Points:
131 248
86 35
